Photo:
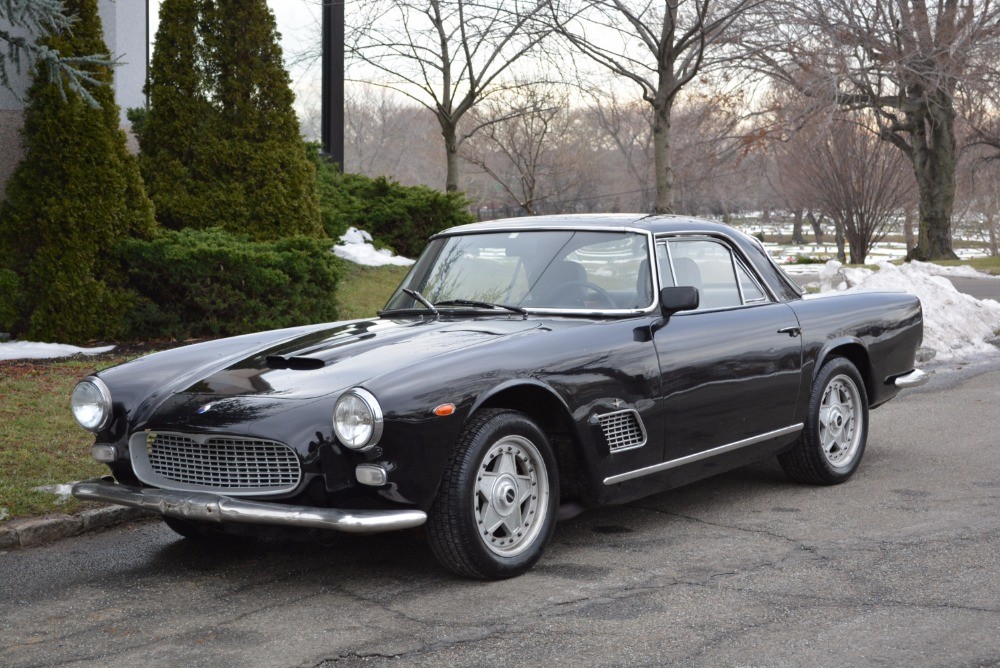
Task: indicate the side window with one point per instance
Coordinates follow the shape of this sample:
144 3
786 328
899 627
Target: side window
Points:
708 266
666 274
752 292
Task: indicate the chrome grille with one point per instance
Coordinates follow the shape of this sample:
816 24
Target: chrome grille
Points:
623 430
218 463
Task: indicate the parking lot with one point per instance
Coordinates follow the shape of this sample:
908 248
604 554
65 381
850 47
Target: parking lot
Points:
900 566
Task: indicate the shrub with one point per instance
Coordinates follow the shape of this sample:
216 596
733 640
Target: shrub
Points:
195 283
10 297
398 216
220 142
76 193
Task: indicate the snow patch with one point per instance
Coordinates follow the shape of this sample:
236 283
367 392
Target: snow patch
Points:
957 326
356 246
63 492
15 350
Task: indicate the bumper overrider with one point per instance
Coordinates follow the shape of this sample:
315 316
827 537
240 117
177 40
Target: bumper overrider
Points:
207 507
914 378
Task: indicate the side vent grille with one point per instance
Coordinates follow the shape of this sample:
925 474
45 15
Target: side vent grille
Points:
623 430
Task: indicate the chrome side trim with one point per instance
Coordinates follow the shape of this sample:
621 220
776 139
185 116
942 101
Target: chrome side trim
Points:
698 456
204 507
915 378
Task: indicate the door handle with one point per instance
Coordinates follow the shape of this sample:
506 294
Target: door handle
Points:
791 331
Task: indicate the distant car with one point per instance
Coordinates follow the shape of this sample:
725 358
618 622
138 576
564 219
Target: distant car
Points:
521 364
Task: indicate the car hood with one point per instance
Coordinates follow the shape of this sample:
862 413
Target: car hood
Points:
332 359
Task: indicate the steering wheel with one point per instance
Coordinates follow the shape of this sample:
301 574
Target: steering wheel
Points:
593 287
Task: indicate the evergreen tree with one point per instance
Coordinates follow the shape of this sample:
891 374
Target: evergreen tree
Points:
74 196
221 143
171 138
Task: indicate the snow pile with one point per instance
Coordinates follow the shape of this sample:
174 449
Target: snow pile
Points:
61 491
356 246
957 327
15 350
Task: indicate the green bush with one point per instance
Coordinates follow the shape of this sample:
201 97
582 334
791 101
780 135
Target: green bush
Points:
199 283
220 142
10 297
76 193
401 217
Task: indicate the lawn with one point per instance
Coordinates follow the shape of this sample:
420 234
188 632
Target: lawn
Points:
40 442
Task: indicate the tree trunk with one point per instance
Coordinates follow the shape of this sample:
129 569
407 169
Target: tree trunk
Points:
838 227
934 156
991 230
908 229
817 226
797 228
856 245
662 158
450 133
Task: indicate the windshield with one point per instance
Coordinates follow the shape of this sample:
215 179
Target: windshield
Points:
576 270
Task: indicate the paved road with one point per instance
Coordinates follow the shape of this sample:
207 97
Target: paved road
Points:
901 566
980 288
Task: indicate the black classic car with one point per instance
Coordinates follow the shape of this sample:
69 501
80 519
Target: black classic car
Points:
522 364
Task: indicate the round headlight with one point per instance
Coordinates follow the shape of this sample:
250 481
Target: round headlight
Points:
357 419
91 403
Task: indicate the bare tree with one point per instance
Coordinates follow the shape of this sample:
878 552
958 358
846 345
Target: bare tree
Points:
446 55
513 147
628 126
979 197
660 47
858 180
905 61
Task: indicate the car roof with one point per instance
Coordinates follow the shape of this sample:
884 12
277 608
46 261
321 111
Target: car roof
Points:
655 223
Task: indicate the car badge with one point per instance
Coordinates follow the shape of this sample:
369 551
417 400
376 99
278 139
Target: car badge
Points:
617 403
205 408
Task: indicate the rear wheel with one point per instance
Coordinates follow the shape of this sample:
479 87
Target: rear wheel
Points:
496 507
836 431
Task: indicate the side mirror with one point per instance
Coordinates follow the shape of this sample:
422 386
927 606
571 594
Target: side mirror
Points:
681 298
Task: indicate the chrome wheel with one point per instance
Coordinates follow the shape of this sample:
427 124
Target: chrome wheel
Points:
496 506
832 442
511 485
840 416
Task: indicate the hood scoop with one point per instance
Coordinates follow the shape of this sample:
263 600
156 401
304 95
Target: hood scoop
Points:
294 362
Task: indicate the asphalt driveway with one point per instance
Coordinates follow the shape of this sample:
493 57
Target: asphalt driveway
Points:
900 566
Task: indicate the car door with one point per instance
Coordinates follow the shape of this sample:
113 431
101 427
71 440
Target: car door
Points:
731 368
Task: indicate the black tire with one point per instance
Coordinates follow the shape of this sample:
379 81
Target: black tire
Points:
495 510
831 445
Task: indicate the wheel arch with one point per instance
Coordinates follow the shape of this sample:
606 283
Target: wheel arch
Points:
549 411
856 352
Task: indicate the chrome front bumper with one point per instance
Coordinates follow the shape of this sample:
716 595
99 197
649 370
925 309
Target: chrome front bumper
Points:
915 378
205 507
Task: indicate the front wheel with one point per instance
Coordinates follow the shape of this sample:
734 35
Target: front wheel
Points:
836 431
496 507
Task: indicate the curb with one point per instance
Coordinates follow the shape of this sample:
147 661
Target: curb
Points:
32 532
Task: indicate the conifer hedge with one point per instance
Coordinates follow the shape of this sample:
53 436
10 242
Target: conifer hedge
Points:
76 193
220 144
401 217
197 283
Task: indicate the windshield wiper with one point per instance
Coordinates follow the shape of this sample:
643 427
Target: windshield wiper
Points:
423 300
478 304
